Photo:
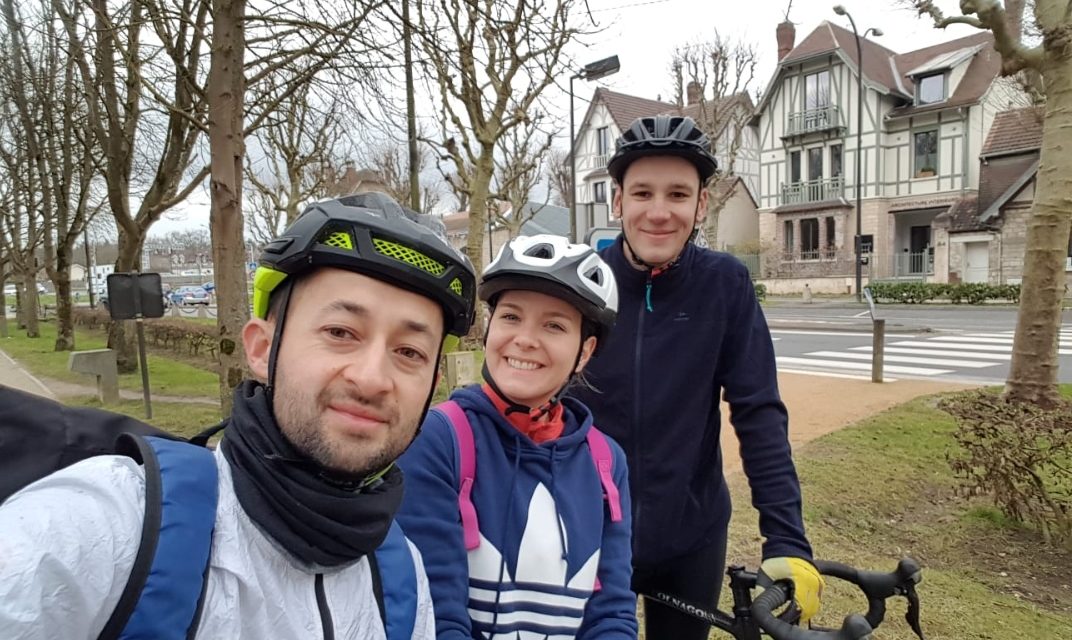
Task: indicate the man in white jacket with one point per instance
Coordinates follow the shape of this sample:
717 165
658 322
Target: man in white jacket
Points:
352 305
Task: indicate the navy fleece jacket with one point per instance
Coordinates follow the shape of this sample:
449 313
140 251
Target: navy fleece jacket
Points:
546 537
660 376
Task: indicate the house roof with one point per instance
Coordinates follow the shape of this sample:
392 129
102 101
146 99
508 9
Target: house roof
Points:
546 218
962 215
1014 131
624 108
828 38
891 72
984 67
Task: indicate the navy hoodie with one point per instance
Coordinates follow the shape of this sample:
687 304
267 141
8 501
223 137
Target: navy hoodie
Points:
660 376
546 536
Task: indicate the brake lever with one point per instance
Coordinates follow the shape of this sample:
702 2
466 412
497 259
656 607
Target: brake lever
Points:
912 615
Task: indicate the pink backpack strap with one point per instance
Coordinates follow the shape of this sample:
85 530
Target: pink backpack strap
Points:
463 433
604 461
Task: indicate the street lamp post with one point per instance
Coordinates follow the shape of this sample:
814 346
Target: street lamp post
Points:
592 71
840 10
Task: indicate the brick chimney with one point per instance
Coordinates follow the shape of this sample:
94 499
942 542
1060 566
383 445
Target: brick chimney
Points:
787 36
693 92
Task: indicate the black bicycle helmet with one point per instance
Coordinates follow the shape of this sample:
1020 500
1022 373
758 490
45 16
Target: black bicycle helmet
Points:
663 136
370 233
551 265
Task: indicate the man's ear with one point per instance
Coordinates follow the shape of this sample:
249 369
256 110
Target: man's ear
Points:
257 341
701 206
616 203
587 348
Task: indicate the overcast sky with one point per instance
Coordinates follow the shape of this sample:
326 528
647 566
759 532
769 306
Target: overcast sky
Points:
644 33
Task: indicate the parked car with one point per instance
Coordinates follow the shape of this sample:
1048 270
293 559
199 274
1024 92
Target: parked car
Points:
209 286
185 296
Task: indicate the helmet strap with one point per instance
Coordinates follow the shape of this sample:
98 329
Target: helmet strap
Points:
284 290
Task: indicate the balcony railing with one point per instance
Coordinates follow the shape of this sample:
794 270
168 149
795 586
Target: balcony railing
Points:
821 119
813 190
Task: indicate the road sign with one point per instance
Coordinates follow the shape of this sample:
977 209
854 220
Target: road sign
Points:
601 237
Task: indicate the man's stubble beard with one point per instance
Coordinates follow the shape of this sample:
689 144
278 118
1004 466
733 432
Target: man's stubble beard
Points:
300 419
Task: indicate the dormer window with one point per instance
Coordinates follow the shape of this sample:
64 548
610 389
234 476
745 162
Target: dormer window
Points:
930 89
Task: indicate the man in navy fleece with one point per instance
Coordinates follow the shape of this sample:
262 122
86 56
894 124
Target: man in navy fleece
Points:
690 330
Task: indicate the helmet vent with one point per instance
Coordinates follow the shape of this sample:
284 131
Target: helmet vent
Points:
409 256
543 251
595 275
338 239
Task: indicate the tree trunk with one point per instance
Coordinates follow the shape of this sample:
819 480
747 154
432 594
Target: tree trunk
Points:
29 304
128 259
478 219
62 279
226 93
1033 371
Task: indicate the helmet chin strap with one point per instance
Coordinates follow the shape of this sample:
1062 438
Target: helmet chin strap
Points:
656 269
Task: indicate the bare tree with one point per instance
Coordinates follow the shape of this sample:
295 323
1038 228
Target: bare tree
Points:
491 62
717 76
299 148
391 160
140 69
1033 371
42 83
518 168
558 175
273 52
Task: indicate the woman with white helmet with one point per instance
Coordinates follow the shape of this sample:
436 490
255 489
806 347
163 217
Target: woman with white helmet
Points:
514 499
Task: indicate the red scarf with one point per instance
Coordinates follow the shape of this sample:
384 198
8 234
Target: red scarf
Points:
544 429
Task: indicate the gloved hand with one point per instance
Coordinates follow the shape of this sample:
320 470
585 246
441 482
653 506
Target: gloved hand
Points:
807 582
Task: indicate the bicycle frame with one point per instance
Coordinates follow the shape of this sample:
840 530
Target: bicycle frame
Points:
741 624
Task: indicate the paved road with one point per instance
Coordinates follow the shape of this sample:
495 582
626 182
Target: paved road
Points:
965 356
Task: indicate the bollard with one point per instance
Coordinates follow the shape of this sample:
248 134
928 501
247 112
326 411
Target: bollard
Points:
807 294
878 334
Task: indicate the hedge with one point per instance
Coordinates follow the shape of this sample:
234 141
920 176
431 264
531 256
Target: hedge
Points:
918 292
174 334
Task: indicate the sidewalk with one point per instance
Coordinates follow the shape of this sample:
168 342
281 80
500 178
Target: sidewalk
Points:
13 375
819 405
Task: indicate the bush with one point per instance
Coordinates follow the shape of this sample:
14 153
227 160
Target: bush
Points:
919 292
174 334
761 291
1020 455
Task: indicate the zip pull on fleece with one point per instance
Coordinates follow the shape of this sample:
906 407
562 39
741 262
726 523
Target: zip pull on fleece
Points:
647 287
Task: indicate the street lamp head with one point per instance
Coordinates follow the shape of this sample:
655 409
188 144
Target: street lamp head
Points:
600 68
876 32
840 9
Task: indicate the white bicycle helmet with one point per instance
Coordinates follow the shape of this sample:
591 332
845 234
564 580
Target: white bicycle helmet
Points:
551 265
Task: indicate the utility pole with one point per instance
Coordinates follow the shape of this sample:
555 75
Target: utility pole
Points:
411 110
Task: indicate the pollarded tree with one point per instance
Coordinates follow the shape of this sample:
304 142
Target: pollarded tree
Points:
1033 372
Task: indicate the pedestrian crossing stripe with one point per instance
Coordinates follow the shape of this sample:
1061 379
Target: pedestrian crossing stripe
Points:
941 362
944 343
1003 357
860 366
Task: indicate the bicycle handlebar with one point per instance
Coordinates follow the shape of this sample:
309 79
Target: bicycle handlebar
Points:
855 626
877 587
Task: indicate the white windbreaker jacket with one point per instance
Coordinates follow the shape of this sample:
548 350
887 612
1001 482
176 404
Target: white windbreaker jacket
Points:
68 541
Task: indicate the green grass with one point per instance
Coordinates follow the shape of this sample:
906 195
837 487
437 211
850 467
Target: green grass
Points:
883 489
184 419
166 376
